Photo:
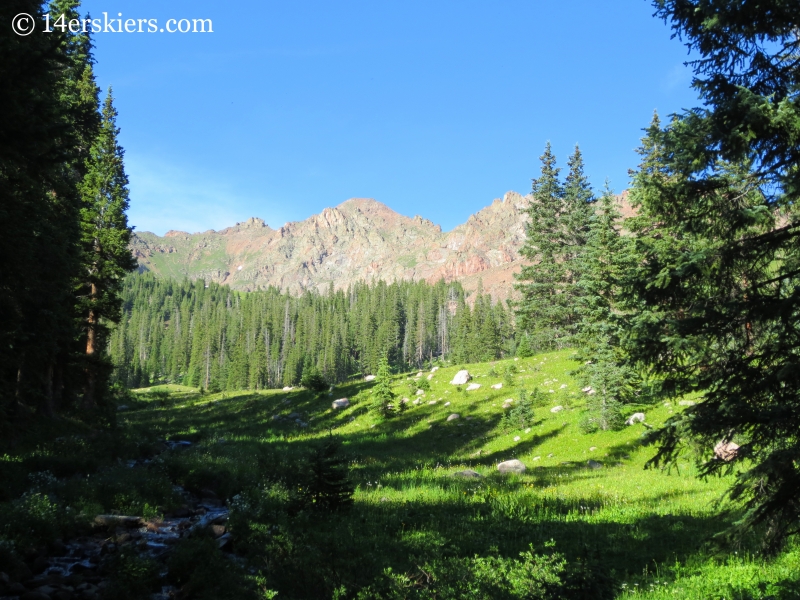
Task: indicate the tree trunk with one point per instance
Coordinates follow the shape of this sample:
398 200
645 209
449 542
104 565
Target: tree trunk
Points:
91 351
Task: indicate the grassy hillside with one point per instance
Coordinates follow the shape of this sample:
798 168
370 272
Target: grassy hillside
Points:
417 529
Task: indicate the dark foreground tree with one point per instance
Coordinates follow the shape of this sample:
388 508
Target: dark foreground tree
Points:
38 212
719 249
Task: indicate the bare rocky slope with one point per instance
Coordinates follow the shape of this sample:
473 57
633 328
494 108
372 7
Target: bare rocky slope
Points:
361 239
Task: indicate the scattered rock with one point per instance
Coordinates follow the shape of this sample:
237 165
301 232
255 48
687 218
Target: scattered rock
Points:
467 473
369 378
461 377
218 530
288 388
473 386
551 455
417 401
517 438
497 386
446 403
635 418
563 386
340 403
593 448
511 466
434 369
453 417
537 458
587 389
420 392
432 402
726 451
593 464
557 409
430 376
118 521
686 403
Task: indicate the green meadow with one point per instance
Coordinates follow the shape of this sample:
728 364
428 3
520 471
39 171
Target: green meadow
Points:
566 528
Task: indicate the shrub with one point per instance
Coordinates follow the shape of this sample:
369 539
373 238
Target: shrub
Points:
312 380
531 577
522 414
134 576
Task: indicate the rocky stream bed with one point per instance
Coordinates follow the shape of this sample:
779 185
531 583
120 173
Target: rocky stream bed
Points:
81 568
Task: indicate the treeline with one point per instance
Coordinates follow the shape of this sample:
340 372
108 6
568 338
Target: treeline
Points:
210 336
63 229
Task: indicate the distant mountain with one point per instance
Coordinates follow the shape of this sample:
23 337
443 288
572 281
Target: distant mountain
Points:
361 239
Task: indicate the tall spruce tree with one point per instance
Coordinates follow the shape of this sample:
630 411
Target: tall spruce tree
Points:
606 368
541 311
556 232
718 275
105 238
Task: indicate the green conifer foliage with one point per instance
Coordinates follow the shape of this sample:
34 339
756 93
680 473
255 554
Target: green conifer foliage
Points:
105 238
718 245
606 369
39 144
556 232
328 487
382 394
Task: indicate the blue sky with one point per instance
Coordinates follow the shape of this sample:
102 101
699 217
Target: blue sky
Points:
433 108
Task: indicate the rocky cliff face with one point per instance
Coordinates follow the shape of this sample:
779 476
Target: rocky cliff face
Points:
361 239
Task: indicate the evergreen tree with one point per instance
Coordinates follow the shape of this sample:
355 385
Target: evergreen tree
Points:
105 239
606 368
718 250
328 486
382 394
38 213
556 231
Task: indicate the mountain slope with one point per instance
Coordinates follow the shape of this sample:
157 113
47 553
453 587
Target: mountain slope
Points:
361 239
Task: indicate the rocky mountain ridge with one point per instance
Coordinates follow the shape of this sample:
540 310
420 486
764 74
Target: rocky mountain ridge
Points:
360 239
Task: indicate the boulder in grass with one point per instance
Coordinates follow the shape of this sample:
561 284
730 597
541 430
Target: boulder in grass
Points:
288 388
511 466
635 418
686 403
430 376
434 369
453 417
726 451
369 378
593 464
473 386
497 386
461 377
556 409
341 403
467 473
